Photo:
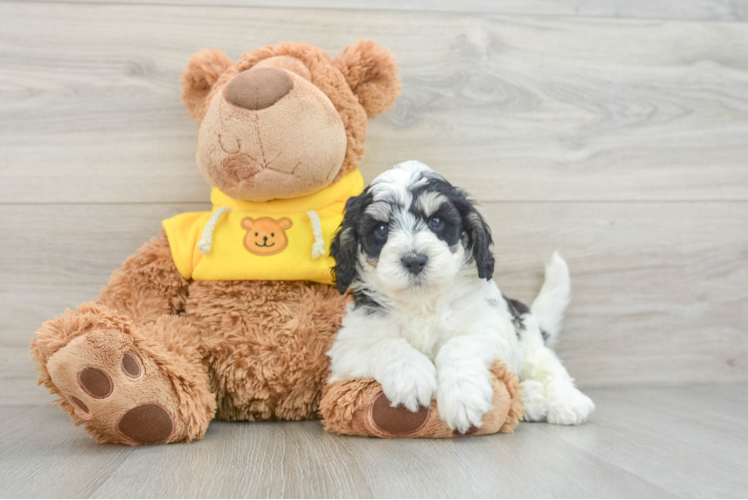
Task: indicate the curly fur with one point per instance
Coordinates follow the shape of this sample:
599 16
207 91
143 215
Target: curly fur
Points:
233 350
203 70
371 72
345 408
427 321
170 343
361 82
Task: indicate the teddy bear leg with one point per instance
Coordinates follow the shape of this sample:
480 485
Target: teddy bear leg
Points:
359 407
127 384
148 285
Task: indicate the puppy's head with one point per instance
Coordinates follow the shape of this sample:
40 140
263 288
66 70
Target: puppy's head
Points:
410 230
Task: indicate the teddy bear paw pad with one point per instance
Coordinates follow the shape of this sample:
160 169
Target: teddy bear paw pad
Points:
131 365
397 421
80 404
116 389
147 424
95 382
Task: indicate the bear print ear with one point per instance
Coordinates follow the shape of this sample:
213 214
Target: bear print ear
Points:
285 223
371 72
247 222
203 70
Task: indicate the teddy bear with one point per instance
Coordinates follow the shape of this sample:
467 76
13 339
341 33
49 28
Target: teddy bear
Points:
359 407
229 313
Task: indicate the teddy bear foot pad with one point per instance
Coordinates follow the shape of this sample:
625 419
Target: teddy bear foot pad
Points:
127 384
115 389
360 407
400 422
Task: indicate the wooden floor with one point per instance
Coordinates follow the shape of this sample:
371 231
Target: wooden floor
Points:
613 130
645 442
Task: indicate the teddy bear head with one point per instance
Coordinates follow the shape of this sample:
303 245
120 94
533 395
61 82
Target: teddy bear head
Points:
286 120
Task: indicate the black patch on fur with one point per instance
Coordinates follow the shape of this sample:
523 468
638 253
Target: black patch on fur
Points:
344 246
461 218
462 223
447 211
517 309
545 335
371 244
479 239
361 300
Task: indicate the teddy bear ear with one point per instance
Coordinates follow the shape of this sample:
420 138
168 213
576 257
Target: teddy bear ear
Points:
371 72
247 222
203 70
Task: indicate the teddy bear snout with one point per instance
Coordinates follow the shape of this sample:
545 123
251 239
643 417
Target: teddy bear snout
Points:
258 88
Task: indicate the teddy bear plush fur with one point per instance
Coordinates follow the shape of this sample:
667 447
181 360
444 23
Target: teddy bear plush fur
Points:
359 407
160 353
156 357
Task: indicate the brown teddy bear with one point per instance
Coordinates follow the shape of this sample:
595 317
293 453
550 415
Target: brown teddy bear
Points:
229 313
359 407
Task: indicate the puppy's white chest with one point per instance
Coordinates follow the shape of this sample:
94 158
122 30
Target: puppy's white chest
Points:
428 330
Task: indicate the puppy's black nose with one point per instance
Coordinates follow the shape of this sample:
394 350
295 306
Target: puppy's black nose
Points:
415 263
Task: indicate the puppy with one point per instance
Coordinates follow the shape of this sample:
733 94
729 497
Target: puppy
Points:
426 319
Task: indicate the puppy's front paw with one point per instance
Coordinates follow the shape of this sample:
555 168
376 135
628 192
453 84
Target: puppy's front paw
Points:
411 384
463 401
533 399
569 407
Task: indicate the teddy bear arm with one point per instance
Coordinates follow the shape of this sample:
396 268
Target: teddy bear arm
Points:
359 407
148 284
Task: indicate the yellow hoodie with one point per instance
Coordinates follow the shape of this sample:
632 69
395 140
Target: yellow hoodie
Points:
274 240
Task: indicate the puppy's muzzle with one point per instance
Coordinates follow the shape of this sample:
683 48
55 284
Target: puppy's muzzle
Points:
415 263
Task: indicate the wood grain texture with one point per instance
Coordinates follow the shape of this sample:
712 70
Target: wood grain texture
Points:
613 130
511 107
700 10
659 288
641 442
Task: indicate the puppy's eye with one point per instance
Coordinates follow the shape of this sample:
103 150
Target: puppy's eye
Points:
381 231
436 224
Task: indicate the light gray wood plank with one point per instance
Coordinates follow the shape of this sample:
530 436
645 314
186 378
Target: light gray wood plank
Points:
524 464
292 460
59 257
711 10
243 460
44 455
658 289
684 439
510 107
639 443
659 292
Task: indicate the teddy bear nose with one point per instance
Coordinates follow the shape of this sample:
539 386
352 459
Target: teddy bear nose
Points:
259 88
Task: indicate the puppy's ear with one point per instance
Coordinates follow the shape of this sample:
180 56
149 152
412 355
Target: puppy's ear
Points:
344 247
203 70
371 72
478 234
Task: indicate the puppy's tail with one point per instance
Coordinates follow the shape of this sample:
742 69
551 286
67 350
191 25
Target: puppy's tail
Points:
554 296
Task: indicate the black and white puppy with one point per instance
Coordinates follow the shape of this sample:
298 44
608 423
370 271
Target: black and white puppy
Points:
427 320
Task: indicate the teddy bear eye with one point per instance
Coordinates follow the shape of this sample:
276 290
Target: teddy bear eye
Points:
272 235
257 234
